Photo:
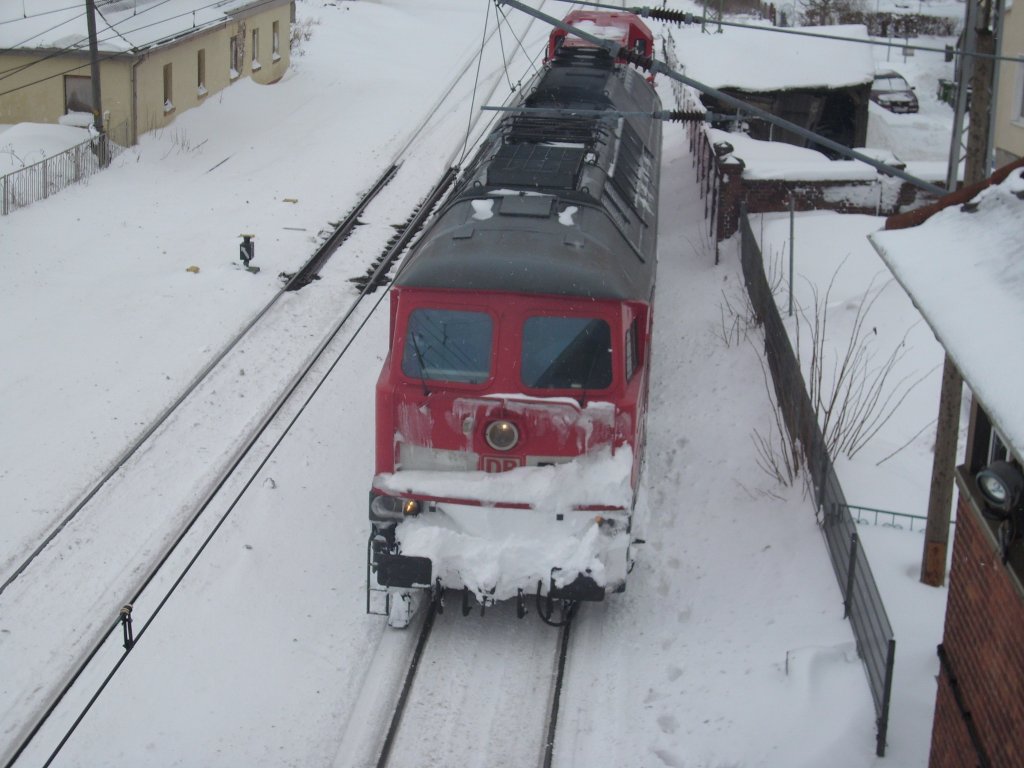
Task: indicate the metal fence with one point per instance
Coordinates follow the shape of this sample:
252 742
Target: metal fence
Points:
876 645
47 177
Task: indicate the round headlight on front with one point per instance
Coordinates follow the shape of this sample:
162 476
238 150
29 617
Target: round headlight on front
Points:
502 435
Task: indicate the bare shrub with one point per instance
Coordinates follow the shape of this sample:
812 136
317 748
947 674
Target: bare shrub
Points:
778 454
862 392
301 32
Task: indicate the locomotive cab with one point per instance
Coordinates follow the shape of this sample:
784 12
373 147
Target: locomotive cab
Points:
623 28
506 432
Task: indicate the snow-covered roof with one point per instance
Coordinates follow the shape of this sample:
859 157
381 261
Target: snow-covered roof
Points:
121 25
964 269
772 60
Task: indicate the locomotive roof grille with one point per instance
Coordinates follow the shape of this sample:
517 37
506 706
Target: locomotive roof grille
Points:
582 57
569 130
631 171
536 165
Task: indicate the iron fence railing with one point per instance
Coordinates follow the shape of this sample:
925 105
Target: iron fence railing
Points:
876 644
47 177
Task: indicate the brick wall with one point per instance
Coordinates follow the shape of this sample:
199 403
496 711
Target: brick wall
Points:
984 647
883 196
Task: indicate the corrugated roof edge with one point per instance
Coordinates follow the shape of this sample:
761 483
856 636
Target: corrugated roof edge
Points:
959 197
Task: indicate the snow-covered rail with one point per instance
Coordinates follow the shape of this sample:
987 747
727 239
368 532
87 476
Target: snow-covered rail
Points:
149 519
480 692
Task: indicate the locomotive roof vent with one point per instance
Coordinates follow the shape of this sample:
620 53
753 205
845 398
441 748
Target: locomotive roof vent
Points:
527 205
536 165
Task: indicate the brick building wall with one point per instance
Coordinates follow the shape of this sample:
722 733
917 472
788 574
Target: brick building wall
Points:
883 196
979 712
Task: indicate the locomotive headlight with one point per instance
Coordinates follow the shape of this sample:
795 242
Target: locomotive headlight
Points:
393 507
502 435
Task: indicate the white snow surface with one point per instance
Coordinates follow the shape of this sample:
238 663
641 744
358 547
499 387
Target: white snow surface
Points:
964 268
754 60
24 144
729 646
598 478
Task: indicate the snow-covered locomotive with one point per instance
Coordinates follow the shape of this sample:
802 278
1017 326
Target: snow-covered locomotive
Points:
510 411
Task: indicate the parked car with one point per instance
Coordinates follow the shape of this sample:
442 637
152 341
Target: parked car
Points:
891 91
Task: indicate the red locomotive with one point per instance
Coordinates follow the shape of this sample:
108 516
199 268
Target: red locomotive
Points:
511 406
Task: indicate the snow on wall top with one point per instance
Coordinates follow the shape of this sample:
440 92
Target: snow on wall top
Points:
762 60
965 272
121 25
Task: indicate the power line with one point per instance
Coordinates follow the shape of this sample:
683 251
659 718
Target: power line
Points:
41 13
685 17
112 28
115 54
653 65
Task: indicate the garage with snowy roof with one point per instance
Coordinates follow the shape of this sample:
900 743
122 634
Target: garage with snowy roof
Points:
820 84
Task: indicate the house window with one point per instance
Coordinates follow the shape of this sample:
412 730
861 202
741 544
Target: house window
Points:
77 94
168 89
255 48
201 72
236 56
275 41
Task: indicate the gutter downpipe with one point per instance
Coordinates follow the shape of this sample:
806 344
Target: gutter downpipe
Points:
134 115
990 156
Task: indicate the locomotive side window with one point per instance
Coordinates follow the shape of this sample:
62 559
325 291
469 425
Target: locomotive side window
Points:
448 345
566 353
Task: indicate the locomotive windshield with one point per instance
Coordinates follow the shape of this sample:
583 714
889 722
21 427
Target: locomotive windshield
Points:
566 353
448 345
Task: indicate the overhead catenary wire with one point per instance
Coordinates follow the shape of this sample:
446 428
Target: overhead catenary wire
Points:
653 65
233 466
476 81
685 17
26 16
114 54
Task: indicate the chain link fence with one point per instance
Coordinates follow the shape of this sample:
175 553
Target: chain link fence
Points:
47 177
876 645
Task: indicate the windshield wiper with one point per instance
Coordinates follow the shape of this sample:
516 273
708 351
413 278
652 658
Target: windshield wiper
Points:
419 359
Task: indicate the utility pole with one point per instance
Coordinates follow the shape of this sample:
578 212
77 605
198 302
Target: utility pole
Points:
978 39
94 72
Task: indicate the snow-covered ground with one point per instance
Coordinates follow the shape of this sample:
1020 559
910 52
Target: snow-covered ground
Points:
728 647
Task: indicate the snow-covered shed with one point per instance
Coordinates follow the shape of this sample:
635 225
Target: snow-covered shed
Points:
156 57
963 266
821 84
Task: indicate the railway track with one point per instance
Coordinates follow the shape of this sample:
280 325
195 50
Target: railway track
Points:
191 539
301 278
507 721
163 564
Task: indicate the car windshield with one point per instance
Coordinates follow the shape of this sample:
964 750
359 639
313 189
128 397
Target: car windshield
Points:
566 353
448 345
891 83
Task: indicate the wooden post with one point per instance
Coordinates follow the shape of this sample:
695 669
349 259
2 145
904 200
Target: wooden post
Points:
940 499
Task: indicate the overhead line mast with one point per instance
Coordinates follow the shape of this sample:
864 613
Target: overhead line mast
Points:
651 64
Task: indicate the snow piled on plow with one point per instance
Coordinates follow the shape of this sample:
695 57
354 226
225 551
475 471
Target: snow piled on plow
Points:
600 478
